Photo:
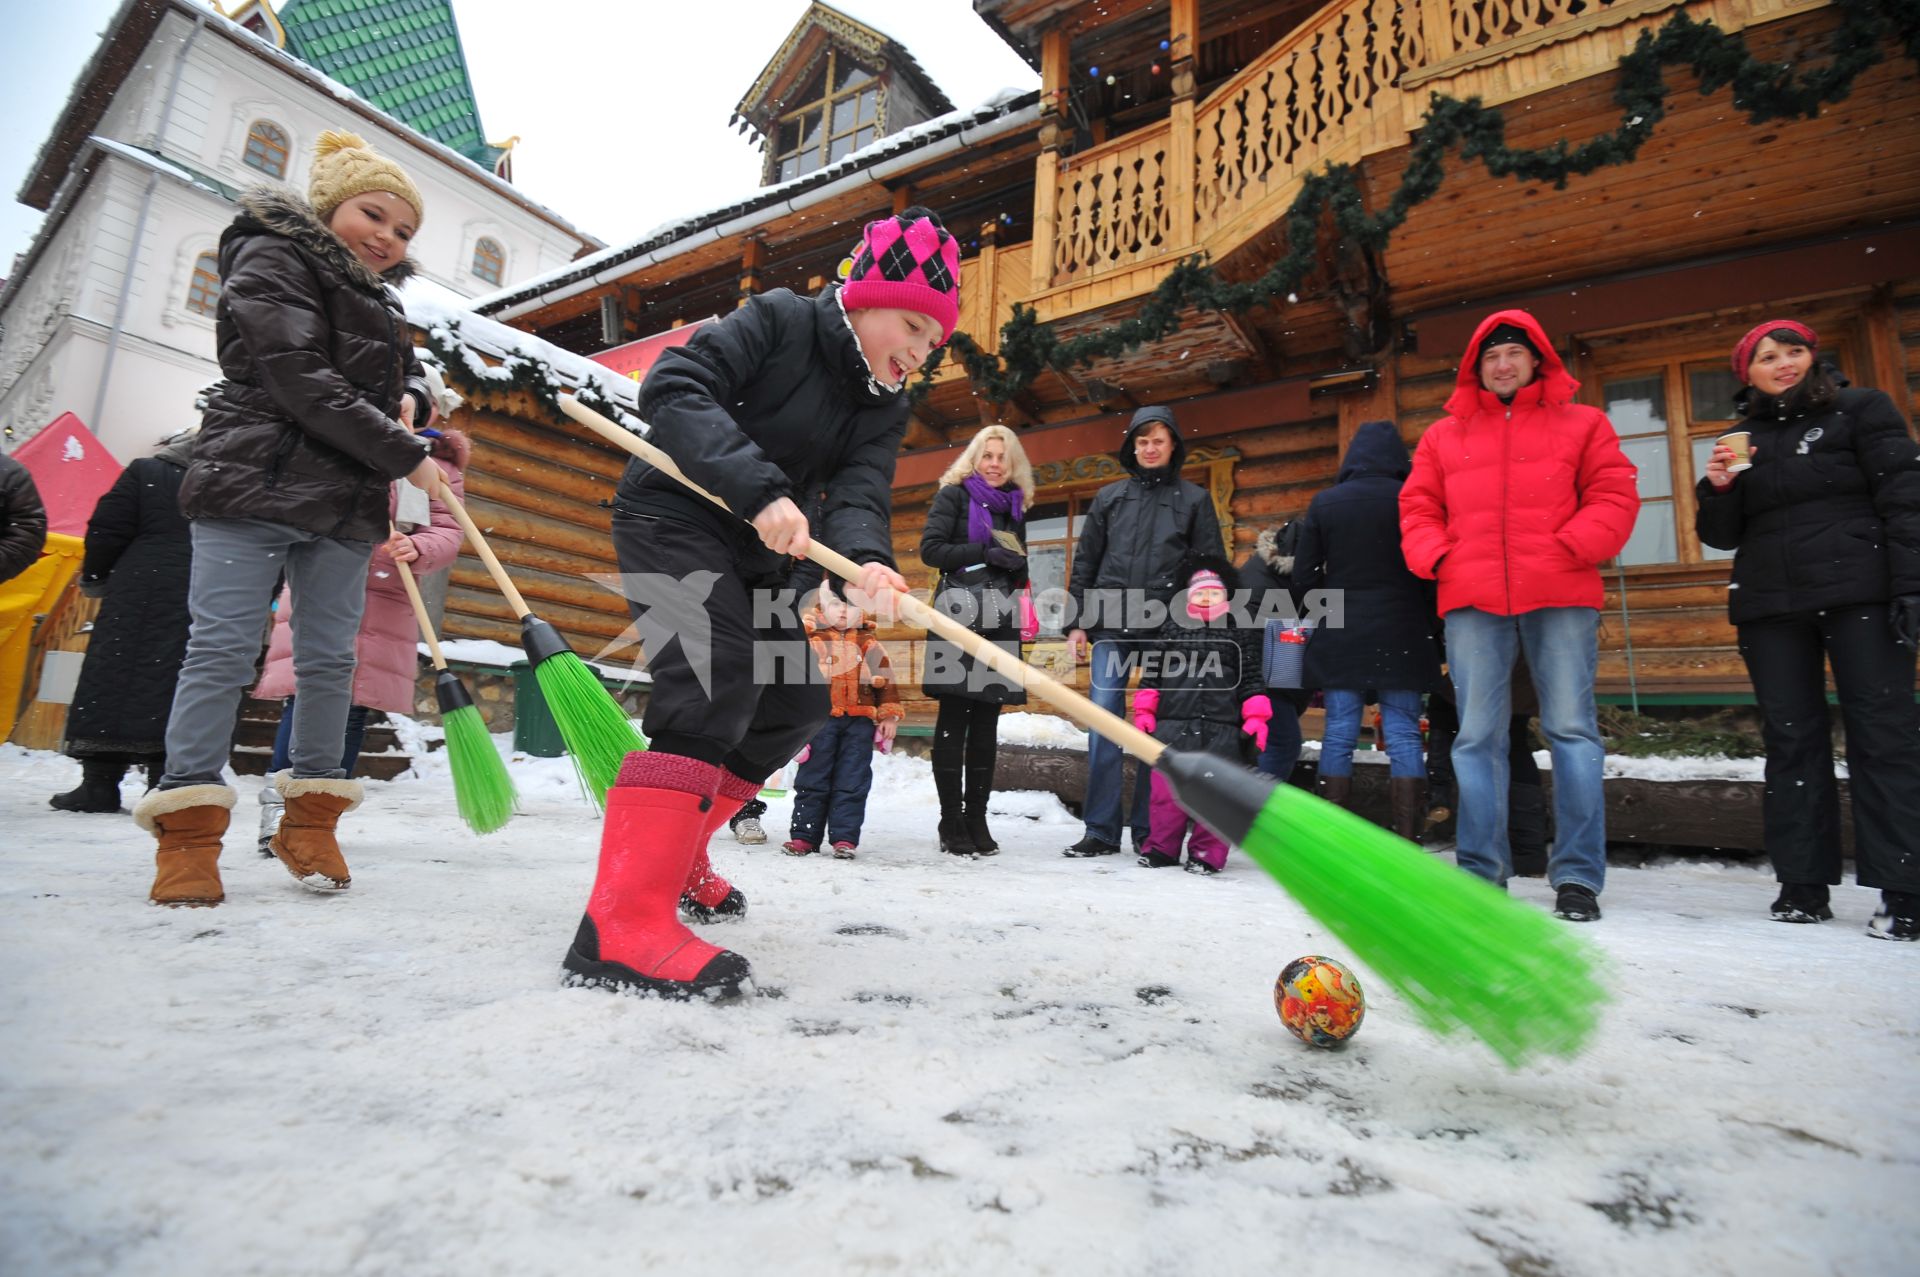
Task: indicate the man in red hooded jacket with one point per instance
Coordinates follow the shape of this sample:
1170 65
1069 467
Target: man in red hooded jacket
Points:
1516 498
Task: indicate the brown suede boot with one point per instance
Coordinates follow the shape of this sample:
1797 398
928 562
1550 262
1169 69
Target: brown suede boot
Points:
188 822
305 841
1337 790
1409 797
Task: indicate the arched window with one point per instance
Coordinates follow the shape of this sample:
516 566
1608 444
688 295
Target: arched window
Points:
203 290
266 148
489 259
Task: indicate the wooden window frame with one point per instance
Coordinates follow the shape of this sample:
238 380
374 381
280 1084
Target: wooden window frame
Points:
488 252
271 151
824 106
203 285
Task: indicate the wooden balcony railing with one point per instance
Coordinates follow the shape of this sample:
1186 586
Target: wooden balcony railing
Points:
1349 82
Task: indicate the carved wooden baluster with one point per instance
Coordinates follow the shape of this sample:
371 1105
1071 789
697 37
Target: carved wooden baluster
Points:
1326 95
1160 224
1260 130
1101 247
1469 30
1383 69
1499 21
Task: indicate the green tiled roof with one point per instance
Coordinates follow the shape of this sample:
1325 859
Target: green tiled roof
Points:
404 56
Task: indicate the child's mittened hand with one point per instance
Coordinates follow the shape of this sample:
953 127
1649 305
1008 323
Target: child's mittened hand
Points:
1146 709
1255 712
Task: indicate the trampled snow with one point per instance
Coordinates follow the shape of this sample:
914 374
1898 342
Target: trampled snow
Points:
1027 1064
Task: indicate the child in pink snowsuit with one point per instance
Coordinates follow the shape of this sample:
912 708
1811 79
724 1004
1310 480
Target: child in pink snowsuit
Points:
1201 691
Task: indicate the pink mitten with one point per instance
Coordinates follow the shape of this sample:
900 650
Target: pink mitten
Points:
1254 713
1029 619
1146 707
805 753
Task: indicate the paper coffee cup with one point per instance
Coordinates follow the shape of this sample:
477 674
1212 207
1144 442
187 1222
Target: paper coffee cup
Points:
1739 441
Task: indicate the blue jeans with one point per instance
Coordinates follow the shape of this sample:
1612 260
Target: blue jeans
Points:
1105 760
283 738
1562 648
1399 720
830 790
1283 738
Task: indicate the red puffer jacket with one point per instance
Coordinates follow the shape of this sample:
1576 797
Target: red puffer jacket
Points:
1513 507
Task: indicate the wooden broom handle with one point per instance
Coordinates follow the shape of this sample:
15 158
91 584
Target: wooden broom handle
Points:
1071 703
481 548
419 609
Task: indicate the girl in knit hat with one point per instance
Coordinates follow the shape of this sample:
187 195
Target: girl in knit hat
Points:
296 450
787 402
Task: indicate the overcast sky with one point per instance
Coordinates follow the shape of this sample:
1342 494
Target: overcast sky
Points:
621 107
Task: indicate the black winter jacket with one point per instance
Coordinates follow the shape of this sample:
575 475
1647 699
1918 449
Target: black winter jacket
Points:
1830 512
1136 533
944 546
773 401
139 561
23 519
1351 543
1204 673
316 353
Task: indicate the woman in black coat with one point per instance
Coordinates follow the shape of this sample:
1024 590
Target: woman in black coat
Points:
138 561
1825 530
1383 644
975 537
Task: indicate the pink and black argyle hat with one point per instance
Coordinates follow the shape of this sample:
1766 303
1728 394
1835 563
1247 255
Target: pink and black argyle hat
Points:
907 261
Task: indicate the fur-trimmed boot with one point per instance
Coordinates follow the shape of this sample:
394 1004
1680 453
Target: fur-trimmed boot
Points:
305 842
658 813
708 897
1408 795
99 789
188 823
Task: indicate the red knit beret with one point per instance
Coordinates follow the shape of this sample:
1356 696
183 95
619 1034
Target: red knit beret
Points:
1743 353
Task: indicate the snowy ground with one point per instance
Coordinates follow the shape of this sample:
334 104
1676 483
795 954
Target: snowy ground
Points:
1022 1065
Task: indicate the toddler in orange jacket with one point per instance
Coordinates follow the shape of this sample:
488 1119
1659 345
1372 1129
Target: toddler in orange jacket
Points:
830 792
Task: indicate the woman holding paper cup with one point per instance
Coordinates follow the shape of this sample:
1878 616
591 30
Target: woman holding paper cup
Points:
1824 523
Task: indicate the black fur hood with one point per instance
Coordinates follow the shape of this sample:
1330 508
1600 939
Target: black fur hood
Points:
279 211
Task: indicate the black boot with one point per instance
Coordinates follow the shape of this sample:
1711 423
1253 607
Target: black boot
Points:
1802 902
1527 830
1337 790
1440 801
1409 801
979 788
99 789
954 839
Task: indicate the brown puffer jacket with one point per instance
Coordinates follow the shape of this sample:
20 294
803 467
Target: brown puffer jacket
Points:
317 356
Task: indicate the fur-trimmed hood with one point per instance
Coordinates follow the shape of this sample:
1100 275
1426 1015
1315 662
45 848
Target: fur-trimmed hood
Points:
1267 546
279 211
453 447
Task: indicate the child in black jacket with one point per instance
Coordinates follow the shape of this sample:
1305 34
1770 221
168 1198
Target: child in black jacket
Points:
785 398
1200 690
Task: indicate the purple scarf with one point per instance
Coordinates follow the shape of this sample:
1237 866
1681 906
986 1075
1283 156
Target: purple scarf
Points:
984 501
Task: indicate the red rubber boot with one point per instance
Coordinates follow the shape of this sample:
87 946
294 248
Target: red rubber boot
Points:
708 897
629 937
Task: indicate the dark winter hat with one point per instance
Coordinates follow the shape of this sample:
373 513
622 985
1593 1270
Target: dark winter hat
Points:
1778 329
910 262
1504 334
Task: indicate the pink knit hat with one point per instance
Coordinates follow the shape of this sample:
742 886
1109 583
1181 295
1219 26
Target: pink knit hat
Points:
1743 353
907 261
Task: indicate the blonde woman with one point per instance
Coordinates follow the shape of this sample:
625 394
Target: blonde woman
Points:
976 539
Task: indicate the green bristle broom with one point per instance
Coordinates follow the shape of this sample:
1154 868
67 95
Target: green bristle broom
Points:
597 732
481 787
1463 954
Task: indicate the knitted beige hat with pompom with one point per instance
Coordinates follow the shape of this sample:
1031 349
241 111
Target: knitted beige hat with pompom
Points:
345 166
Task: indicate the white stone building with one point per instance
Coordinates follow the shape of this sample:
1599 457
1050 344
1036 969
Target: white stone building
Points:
109 314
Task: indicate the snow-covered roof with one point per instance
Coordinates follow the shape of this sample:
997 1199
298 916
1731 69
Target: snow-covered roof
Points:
88 100
1003 112
475 339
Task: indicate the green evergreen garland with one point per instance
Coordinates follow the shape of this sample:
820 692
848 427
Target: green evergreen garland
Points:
1764 90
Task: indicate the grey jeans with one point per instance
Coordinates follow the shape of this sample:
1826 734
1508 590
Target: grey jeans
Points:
236 563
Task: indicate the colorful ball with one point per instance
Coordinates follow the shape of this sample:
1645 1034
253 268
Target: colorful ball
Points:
1319 1001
